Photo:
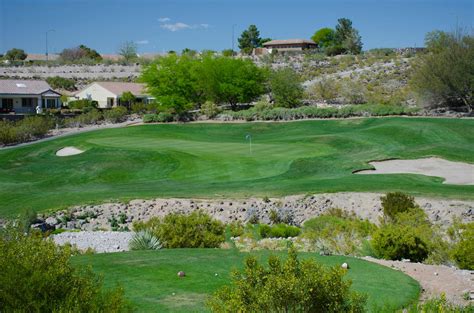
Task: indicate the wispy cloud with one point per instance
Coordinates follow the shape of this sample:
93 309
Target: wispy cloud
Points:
142 42
181 26
176 26
164 19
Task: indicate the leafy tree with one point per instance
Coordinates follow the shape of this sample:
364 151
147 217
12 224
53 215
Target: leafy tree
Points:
81 52
289 286
250 39
233 81
173 81
189 52
286 88
463 249
128 98
347 37
324 37
16 55
128 50
37 276
444 77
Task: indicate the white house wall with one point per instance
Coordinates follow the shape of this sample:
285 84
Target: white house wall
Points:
97 93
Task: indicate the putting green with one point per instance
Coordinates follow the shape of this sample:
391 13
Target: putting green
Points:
151 283
214 160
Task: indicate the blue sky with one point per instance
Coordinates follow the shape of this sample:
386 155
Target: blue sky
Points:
163 25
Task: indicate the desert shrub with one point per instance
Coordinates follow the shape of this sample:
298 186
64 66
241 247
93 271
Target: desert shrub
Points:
278 231
7 133
162 117
236 228
325 89
337 232
210 109
278 216
353 92
286 88
116 114
196 230
287 286
145 240
139 108
90 118
262 105
462 251
82 104
43 280
439 305
396 242
394 203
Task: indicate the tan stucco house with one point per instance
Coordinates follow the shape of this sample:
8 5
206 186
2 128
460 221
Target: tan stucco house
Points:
23 96
290 45
107 94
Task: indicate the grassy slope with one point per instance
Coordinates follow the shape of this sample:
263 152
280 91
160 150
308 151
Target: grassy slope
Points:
213 160
149 277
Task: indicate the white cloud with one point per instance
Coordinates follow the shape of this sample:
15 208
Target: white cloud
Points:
142 42
181 26
164 19
176 26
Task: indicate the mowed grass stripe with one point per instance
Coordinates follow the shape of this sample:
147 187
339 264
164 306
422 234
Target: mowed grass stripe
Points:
214 160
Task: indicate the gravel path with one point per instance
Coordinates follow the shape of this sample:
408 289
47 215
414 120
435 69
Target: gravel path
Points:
435 279
100 241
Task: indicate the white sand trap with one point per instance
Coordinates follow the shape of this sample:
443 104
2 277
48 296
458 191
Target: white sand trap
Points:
67 151
456 173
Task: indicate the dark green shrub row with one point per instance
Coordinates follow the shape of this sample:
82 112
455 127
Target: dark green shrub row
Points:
24 130
196 230
304 112
278 231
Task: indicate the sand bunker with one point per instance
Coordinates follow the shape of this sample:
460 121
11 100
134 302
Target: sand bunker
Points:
456 173
67 151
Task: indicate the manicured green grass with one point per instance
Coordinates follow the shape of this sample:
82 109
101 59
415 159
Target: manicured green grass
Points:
213 160
150 277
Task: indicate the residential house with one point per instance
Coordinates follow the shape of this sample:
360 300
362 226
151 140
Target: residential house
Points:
108 94
290 45
23 96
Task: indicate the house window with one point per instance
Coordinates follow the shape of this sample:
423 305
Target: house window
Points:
49 103
7 105
28 102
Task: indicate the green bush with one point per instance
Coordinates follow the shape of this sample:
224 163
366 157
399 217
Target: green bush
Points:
285 114
462 251
144 240
236 229
210 109
196 230
115 115
285 86
394 203
83 104
29 128
396 242
90 118
38 277
289 286
278 231
57 82
162 117
337 232
139 108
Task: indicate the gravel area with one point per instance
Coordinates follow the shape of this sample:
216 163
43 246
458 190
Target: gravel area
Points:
100 241
436 279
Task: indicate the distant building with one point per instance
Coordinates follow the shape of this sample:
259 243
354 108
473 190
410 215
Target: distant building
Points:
290 45
107 94
23 96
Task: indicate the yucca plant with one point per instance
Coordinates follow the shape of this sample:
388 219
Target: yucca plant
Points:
144 240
